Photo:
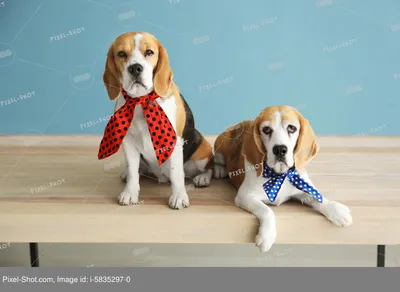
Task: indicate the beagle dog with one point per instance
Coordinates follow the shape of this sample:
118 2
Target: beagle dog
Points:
265 160
137 67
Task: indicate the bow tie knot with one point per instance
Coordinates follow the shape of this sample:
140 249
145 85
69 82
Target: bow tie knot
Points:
273 185
142 100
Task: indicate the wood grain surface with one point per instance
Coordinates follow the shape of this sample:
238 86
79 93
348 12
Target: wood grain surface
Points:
53 189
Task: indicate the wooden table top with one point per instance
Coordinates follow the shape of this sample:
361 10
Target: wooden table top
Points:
53 189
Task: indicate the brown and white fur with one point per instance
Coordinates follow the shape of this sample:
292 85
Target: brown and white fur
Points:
281 137
139 63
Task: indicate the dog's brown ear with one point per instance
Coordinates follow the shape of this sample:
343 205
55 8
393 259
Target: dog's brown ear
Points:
253 149
110 76
163 74
307 146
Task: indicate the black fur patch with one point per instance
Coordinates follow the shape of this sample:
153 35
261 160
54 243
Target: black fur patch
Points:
191 137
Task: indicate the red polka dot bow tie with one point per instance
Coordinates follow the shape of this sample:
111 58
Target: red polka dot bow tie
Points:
161 131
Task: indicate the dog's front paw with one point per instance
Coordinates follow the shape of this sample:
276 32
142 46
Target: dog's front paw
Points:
220 171
266 238
179 200
129 198
203 179
338 214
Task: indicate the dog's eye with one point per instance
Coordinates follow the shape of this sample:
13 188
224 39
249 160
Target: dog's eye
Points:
148 53
122 54
267 130
291 129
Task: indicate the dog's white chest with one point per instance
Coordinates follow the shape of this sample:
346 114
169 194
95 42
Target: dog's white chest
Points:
139 134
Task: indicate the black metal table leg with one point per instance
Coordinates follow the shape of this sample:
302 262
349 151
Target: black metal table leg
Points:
381 255
34 253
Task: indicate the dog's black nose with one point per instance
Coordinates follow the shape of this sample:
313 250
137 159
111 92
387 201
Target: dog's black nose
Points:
135 69
279 150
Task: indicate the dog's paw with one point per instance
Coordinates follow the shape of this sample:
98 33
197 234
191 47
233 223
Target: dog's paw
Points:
179 200
203 179
129 198
266 238
338 214
220 171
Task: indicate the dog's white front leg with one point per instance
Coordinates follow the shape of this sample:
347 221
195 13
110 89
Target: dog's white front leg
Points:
130 194
179 198
335 212
267 231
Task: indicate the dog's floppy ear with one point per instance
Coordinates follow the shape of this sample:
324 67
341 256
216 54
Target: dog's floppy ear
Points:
110 76
253 149
307 146
163 74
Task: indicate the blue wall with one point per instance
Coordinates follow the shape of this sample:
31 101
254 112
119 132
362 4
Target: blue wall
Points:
337 61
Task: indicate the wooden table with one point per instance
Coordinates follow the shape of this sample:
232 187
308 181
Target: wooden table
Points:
53 189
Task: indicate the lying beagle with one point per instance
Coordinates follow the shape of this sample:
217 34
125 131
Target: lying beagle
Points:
265 159
152 121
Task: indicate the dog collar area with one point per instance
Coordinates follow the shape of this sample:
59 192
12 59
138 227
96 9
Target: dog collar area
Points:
274 184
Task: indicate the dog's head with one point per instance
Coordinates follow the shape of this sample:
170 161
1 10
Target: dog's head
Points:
139 63
282 137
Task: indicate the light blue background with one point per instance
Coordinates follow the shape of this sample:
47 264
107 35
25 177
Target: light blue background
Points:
239 43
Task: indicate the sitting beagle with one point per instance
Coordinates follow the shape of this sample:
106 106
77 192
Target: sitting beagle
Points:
265 159
152 121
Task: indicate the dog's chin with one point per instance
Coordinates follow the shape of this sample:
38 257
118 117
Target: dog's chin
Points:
138 85
137 88
280 167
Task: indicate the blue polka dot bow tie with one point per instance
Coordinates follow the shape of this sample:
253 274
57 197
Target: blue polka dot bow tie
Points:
273 186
